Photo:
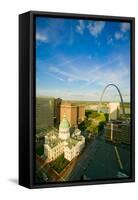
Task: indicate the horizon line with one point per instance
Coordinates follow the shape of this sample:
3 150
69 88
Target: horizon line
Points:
43 96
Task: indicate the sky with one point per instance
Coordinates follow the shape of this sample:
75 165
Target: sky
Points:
76 59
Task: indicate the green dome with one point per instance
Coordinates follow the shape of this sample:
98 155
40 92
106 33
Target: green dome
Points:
64 123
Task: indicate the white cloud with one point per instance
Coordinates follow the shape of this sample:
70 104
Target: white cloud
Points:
89 80
125 27
100 75
41 37
73 74
80 27
68 76
55 76
95 28
118 35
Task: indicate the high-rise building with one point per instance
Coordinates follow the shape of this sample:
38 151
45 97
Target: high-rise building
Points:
50 111
57 111
80 113
44 112
71 112
114 111
74 113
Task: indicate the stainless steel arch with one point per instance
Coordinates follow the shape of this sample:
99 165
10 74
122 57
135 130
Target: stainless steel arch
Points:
121 98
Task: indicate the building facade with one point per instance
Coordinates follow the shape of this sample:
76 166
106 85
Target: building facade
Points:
81 113
71 112
47 112
53 146
61 142
74 113
57 104
114 111
74 147
118 132
44 112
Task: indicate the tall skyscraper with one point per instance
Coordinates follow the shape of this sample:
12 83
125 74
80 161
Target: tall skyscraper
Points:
44 112
50 111
80 113
74 113
114 111
57 104
71 112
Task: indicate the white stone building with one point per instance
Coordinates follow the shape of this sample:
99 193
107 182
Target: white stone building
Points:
114 110
73 147
57 143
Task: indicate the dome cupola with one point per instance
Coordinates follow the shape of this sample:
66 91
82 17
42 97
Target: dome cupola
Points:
64 129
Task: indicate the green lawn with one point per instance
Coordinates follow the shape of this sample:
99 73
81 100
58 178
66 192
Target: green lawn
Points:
59 164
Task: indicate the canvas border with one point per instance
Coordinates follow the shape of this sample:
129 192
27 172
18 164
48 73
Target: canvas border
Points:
32 90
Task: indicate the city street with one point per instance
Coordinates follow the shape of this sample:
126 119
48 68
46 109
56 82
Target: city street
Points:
100 161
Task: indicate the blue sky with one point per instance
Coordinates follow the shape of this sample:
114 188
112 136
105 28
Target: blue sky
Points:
76 59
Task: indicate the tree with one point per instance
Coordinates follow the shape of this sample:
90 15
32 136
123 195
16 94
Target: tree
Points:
101 126
82 126
92 129
88 113
106 116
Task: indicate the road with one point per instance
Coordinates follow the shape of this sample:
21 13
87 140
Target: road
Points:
100 161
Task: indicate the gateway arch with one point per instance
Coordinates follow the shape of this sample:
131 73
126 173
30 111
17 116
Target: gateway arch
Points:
121 98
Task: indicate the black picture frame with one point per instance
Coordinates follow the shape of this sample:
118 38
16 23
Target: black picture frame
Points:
27 95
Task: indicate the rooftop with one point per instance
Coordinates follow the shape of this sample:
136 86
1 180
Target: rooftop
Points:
52 138
54 142
71 142
64 123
